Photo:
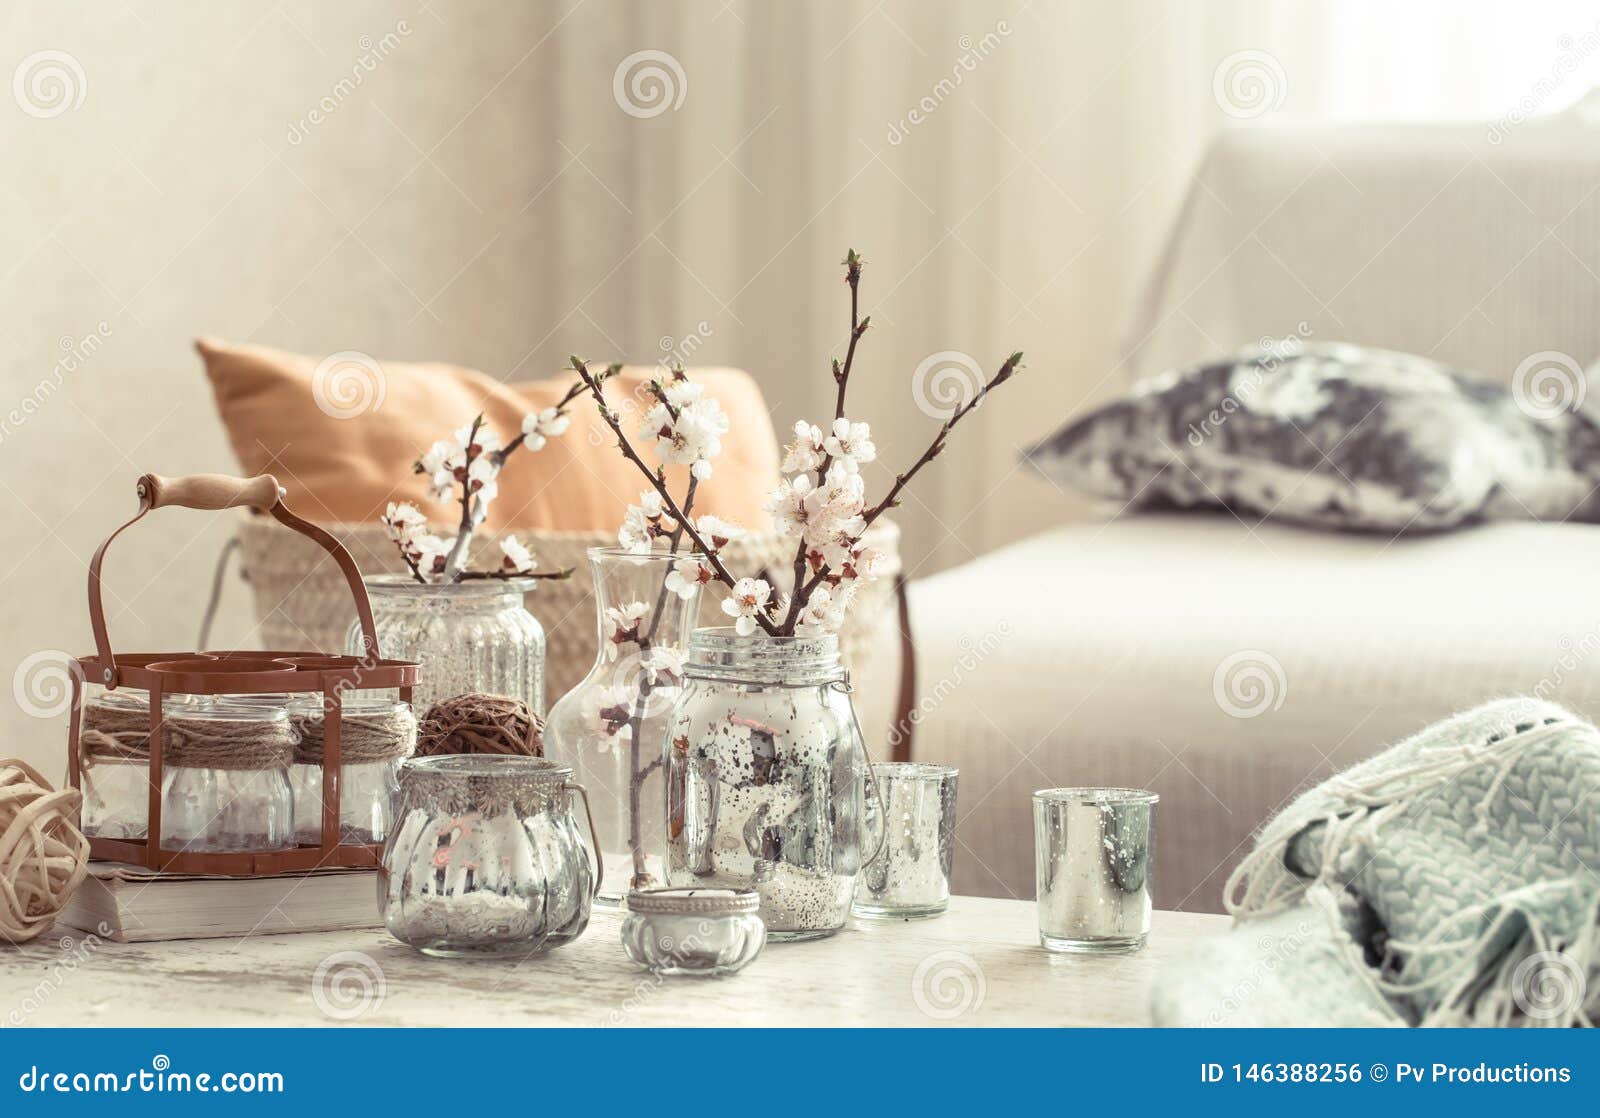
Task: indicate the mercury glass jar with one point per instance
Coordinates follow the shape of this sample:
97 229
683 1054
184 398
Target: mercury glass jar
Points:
375 736
693 931
470 637
485 857
766 777
611 728
226 778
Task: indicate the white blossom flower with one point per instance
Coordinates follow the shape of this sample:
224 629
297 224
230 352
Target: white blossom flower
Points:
609 710
442 457
624 626
660 667
824 609
750 596
642 523
517 558
691 439
863 564
850 444
483 481
540 426
403 520
806 452
470 444
718 533
442 485
429 552
688 575
827 516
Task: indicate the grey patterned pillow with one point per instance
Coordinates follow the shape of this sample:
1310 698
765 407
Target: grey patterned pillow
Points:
1333 435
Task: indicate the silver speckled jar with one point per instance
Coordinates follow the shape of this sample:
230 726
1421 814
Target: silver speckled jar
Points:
485 857
765 778
1093 850
693 931
915 821
468 636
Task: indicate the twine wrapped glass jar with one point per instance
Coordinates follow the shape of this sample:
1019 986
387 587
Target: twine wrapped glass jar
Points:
114 746
475 637
226 783
485 857
766 776
376 736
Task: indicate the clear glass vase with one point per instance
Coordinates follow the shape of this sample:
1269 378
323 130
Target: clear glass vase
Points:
611 728
766 778
468 636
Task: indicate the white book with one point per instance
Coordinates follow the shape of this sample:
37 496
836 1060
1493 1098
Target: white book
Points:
132 904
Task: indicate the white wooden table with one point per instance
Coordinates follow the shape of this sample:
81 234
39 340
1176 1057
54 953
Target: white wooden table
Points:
979 964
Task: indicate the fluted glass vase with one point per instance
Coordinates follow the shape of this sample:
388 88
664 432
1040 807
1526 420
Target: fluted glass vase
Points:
611 727
468 636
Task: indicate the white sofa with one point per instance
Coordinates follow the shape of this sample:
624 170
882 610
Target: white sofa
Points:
1227 665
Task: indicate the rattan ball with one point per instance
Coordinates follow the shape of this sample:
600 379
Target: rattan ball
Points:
43 855
477 723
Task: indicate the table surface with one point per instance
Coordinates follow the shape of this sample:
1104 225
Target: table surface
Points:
979 964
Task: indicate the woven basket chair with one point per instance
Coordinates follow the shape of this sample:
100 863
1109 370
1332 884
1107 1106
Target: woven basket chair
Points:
302 602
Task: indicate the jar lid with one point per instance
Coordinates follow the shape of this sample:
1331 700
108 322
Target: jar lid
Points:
694 901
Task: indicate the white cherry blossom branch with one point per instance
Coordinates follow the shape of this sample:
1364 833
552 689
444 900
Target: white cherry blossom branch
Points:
658 482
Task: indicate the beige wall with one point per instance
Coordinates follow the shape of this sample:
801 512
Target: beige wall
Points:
479 195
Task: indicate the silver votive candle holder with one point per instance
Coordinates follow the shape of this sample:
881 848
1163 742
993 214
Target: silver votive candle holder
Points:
693 931
910 841
1092 853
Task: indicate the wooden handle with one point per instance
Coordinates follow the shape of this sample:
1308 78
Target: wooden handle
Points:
210 491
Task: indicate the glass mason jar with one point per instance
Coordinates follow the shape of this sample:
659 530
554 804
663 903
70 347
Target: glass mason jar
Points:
766 772
114 747
612 727
375 736
470 637
226 778
485 857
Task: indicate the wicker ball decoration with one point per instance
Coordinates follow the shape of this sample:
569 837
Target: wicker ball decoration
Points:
476 723
43 855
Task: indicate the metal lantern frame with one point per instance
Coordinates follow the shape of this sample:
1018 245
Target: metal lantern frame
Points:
235 673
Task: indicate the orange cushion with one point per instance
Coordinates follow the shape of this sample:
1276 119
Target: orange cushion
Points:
343 443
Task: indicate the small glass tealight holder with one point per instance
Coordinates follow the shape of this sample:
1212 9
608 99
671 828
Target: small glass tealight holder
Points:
376 735
693 931
911 830
1093 854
